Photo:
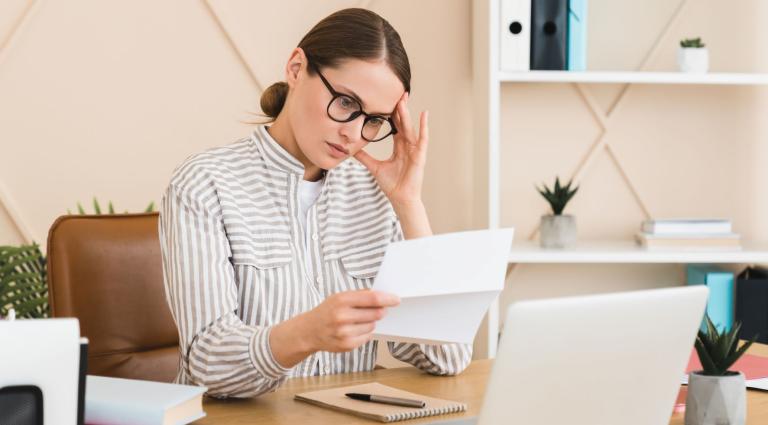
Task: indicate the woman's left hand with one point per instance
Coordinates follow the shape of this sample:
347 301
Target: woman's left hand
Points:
400 177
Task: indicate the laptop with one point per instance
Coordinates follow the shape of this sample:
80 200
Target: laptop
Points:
598 359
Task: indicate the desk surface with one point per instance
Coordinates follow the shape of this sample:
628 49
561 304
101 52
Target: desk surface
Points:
469 387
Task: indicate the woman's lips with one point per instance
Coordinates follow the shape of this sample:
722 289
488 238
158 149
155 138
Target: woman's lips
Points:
337 151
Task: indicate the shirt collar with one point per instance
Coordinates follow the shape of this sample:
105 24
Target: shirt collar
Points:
274 154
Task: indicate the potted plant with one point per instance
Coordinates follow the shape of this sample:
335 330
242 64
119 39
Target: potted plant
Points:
558 230
693 56
717 395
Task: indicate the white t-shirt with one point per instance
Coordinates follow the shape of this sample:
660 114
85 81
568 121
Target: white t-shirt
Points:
308 194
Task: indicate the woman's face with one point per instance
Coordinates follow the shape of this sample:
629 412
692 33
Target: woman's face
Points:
323 141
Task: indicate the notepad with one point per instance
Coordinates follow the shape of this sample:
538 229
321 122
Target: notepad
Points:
335 399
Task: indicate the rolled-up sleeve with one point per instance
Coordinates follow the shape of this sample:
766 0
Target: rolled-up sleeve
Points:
218 350
439 359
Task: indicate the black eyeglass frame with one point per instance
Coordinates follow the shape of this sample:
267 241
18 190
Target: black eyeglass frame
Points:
354 115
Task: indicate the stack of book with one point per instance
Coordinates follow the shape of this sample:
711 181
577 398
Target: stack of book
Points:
688 234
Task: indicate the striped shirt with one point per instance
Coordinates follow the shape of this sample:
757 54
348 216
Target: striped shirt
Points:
235 264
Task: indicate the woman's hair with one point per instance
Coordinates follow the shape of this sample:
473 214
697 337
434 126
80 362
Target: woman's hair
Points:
347 34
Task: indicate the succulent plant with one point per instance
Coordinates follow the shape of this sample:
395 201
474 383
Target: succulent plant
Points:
718 350
558 197
110 208
692 43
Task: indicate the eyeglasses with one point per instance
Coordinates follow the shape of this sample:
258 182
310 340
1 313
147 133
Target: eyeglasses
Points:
345 108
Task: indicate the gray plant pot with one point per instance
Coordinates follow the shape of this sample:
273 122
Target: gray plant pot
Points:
557 231
716 400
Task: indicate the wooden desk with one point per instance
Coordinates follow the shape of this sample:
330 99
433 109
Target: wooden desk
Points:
468 387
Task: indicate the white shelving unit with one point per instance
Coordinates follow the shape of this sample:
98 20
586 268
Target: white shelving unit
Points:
632 77
605 252
488 79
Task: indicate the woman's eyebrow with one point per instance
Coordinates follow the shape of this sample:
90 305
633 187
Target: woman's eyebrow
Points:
353 94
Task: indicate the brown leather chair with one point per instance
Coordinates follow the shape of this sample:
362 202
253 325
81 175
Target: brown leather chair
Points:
106 270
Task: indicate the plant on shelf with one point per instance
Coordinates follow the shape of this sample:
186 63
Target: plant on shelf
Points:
692 43
692 55
558 230
717 394
110 208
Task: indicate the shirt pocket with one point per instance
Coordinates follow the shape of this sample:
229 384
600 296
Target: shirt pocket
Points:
259 242
363 264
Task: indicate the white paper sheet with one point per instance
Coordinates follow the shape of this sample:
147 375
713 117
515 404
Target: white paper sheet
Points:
446 284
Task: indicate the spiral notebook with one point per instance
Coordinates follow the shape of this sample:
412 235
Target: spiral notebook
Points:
335 399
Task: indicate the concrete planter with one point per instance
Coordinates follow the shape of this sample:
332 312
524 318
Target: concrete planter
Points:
557 231
716 400
693 59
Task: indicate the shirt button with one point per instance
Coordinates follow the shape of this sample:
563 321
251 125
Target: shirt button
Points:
314 236
319 279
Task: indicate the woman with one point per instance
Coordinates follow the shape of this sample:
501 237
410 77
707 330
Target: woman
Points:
270 244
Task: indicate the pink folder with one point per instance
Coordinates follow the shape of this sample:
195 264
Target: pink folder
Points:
753 367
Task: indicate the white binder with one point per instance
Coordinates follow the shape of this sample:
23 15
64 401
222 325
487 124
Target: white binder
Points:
515 40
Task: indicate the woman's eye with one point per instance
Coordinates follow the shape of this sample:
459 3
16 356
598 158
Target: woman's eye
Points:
348 103
375 122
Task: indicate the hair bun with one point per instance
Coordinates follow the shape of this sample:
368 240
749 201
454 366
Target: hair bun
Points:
273 99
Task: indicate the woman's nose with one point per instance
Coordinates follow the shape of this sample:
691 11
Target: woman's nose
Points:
352 130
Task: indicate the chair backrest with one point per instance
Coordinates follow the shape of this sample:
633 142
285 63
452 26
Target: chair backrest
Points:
106 270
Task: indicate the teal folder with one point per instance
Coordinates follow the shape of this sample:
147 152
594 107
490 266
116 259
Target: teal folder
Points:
577 35
720 305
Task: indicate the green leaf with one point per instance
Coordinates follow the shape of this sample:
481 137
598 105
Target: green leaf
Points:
111 208
706 361
150 207
96 206
23 283
718 350
80 209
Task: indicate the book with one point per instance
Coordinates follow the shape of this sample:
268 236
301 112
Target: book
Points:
702 241
119 401
549 35
334 398
720 305
687 226
515 35
577 35
752 303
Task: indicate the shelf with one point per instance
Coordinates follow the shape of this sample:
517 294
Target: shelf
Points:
630 252
633 77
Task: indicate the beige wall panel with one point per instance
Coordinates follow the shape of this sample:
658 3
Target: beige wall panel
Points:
106 98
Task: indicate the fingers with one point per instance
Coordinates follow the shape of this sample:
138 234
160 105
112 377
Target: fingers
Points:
362 315
349 344
368 298
356 330
371 163
424 130
404 117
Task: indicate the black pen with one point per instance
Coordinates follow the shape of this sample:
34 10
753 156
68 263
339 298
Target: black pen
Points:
397 401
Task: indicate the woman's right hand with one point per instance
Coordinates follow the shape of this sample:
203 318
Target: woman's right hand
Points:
341 323
346 320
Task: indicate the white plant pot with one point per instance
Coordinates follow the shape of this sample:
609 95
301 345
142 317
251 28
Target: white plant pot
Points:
716 400
557 231
693 59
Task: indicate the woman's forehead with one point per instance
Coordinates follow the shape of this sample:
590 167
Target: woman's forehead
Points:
374 82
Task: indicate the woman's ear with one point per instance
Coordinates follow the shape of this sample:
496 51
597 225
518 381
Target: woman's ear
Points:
296 63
